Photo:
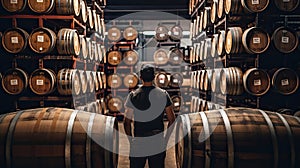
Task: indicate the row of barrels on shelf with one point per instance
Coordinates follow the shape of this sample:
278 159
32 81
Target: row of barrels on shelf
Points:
98 106
115 57
115 80
44 81
257 82
174 56
198 104
162 33
114 34
165 80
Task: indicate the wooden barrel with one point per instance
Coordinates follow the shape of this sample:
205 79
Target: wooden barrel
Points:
96 81
213 11
285 81
207 80
90 82
175 56
114 34
192 104
287 5
177 101
94 54
233 42
14 40
254 6
161 33
207 49
84 47
255 40
285 39
42 81
131 80
206 18
160 57
114 57
42 40
192 84
220 11
90 49
41 6
99 77
99 51
231 81
57 137
14 81
115 104
96 25
214 45
256 81
68 42
201 52
104 106
215 80
65 7
221 43
83 80
114 81
131 57
234 137
200 24
104 81
176 80
14 5
161 80
200 79
90 21
176 33
130 33
68 82
83 16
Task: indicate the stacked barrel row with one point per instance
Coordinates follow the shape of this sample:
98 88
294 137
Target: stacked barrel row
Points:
163 34
127 57
198 104
174 56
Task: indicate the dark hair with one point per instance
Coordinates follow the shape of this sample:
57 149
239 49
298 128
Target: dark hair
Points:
147 73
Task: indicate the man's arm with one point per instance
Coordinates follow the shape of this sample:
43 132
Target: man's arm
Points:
171 118
128 116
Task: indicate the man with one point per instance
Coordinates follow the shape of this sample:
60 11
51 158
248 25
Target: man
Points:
146 107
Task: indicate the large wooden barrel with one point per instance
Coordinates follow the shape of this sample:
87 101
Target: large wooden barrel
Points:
65 7
161 80
213 11
96 25
41 6
83 16
14 5
221 43
255 40
200 79
94 54
14 40
200 24
207 80
114 57
68 82
175 56
42 40
237 137
68 42
176 33
231 81
83 80
42 81
214 45
207 49
99 77
285 81
84 47
244 6
131 57
114 81
215 80
14 81
57 137
90 81
177 101
285 39
206 18
287 5
233 42
176 80
130 33
115 104
160 57
104 81
161 33
131 80
201 51
96 80
220 11
114 34
256 81
90 22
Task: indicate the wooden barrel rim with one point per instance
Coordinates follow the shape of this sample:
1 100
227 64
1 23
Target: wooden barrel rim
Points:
15 40
131 57
41 82
114 57
161 33
255 40
220 11
285 40
257 82
176 33
285 81
130 33
131 80
7 5
15 81
160 57
42 40
41 6
114 81
114 33
213 11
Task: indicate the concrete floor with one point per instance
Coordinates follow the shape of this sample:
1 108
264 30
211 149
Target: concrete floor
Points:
124 148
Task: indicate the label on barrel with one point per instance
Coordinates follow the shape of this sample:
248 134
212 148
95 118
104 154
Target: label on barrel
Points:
256 40
129 34
14 82
257 82
175 80
286 0
115 104
176 58
176 33
176 104
39 82
114 34
40 39
284 82
130 81
40 1
14 40
255 2
115 58
160 58
161 35
285 40
115 81
161 81
130 59
13 1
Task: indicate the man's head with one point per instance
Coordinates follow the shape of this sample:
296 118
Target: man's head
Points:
147 73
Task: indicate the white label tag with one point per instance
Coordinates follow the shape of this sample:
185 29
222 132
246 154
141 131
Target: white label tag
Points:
115 81
160 58
130 81
39 82
286 0
114 34
175 80
14 82
40 39
130 59
176 33
255 2
40 1
256 40
285 40
161 35
176 104
129 34
115 58
116 104
13 1
161 81
284 82
257 82
14 40
176 58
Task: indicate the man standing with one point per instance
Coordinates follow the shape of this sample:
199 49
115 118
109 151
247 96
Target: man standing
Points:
146 107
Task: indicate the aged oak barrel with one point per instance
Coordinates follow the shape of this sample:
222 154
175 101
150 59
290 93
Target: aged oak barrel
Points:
237 137
114 81
58 137
130 33
245 6
68 82
213 11
42 81
131 80
68 42
114 57
161 80
160 57
285 81
256 81
83 80
206 18
14 40
176 33
42 40
220 11
231 81
84 48
83 16
175 56
65 7
131 57
287 5
176 80
114 34
115 104
14 81
161 33
177 101
207 80
90 22
233 42
221 43
100 80
255 40
215 80
214 45
14 5
90 81
96 81
41 6
285 39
